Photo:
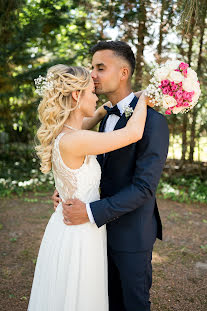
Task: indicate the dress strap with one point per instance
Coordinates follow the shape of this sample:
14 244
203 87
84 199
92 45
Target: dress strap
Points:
59 136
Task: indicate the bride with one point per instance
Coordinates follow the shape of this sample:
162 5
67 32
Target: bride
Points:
71 269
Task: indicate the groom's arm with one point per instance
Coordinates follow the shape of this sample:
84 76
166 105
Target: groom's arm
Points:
151 157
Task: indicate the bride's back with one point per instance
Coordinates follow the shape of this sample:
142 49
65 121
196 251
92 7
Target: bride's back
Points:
82 183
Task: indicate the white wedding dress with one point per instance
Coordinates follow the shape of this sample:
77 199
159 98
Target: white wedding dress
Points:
71 269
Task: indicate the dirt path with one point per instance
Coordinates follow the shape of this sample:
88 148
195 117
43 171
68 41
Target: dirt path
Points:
179 262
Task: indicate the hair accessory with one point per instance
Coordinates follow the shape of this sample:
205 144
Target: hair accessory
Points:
43 84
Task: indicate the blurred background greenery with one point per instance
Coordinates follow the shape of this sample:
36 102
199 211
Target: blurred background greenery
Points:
35 34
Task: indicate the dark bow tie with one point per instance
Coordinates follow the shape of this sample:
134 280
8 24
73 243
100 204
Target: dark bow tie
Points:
115 110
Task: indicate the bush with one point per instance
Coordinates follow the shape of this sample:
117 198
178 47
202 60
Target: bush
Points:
183 189
19 171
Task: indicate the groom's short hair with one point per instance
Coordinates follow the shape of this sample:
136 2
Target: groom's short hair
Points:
120 48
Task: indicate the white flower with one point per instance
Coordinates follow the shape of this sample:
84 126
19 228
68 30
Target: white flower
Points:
192 74
188 85
3 181
175 76
197 90
128 111
177 110
169 101
172 64
161 73
43 84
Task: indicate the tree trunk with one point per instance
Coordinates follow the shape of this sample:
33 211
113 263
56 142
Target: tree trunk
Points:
193 134
185 116
195 110
159 46
141 31
184 137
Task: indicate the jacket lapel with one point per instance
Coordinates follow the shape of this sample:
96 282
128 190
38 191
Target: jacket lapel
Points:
100 157
120 124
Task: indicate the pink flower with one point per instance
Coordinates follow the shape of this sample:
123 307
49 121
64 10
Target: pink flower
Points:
180 84
170 93
168 111
177 70
183 66
186 95
190 95
186 104
178 94
180 101
165 82
174 87
185 73
166 90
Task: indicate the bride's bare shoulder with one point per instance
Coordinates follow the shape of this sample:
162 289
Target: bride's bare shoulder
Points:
71 139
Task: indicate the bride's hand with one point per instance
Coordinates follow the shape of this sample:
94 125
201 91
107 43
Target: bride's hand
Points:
140 93
103 111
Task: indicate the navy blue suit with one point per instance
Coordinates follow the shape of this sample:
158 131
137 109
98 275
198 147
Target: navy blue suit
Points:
130 176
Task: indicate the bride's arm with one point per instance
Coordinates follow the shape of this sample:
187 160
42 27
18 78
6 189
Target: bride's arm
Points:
138 94
89 142
89 123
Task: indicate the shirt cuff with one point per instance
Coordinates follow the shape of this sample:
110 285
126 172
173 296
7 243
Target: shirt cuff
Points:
90 215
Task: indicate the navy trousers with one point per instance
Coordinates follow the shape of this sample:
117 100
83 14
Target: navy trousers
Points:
130 279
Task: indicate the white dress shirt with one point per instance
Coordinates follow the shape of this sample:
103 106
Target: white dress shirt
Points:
109 127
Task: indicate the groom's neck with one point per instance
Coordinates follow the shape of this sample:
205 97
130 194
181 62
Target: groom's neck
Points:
118 95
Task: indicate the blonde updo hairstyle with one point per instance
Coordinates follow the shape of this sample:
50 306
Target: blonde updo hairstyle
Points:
56 105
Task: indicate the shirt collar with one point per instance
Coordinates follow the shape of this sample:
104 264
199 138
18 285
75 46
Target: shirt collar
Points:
125 102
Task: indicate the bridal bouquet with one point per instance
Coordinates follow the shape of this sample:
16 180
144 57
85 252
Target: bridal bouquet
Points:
174 86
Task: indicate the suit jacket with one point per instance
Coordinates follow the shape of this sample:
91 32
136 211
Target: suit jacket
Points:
130 176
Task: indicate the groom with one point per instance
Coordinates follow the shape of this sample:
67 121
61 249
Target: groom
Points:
129 180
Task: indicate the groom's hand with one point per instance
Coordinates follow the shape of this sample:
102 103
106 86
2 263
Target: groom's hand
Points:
56 199
74 212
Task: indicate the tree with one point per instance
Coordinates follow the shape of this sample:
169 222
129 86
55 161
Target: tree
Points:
33 36
200 72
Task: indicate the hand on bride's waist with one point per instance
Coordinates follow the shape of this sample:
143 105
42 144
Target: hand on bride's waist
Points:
56 199
74 212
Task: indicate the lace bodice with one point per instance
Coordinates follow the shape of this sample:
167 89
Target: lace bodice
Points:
82 183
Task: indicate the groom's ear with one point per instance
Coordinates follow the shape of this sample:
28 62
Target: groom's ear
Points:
124 73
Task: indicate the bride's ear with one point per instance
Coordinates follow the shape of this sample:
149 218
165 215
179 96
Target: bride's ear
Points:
75 95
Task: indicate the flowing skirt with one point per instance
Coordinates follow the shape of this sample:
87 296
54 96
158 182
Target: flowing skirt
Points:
71 268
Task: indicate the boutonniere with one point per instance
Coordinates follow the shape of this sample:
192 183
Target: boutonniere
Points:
128 111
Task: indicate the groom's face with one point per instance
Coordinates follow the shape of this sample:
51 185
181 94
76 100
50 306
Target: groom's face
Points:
107 71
